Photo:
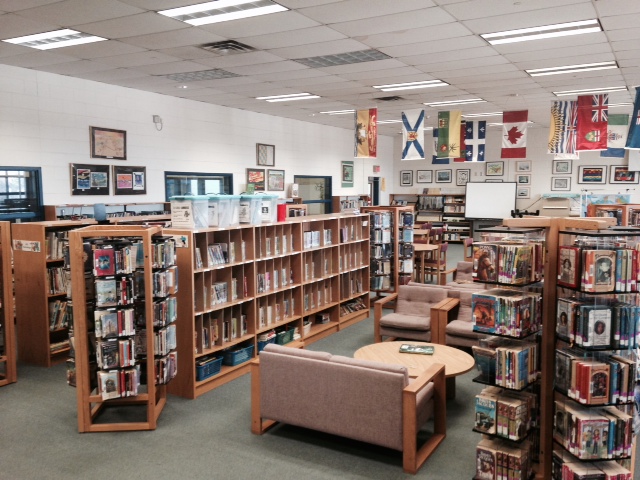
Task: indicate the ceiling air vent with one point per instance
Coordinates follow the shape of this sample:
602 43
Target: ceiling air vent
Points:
227 47
392 98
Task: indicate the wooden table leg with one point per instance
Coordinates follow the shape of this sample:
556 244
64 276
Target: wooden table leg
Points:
451 388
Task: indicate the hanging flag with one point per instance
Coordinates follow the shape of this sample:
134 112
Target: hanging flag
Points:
413 135
449 134
463 147
366 141
475 140
633 137
593 111
616 135
514 134
562 131
435 160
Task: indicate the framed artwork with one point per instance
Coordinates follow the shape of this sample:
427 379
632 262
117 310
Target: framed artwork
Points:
265 155
561 167
523 192
560 184
620 174
443 176
524 166
493 180
129 180
89 179
255 177
592 174
275 180
406 178
108 143
347 173
495 169
523 178
462 176
424 176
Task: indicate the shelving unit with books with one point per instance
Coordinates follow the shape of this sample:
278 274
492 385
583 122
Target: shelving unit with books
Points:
457 228
41 286
349 203
124 316
626 214
429 208
8 373
118 212
353 266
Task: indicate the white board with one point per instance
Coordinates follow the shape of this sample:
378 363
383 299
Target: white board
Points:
490 200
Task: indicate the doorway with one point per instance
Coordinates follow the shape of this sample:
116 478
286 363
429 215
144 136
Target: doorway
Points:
315 192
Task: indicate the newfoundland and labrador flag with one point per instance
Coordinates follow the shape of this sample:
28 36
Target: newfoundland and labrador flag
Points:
514 134
633 137
593 114
413 135
449 134
616 135
366 134
562 131
475 140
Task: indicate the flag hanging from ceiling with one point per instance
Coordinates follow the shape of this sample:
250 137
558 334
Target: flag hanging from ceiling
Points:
463 148
475 140
514 134
413 135
435 160
593 112
562 131
616 135
366 140
449 134
633 137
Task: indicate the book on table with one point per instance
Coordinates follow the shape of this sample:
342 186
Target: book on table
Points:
419 349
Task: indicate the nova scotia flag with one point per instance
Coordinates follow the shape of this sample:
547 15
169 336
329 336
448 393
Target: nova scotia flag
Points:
476 140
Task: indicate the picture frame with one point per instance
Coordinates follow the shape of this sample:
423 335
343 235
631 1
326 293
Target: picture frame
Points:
495 169
424 176
129 180
493 180
406 178
255 176
275 180
524 166
463 176
347 173
621 174
561 167
560 184
265 155
443 176
523 178
108 143
523 192
89 179
592 174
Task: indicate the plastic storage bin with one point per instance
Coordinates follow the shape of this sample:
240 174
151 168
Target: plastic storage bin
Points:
236 357
251 209
209 369
190 211
282 338
223 210
269 208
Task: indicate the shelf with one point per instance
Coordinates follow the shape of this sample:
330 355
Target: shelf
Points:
502 437
482 380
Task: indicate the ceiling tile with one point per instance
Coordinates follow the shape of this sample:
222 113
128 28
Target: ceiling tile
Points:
107 48
469 53
16 5
240 59
134 25
416 35
619 21
293 38
365 67
106 76
75 12
36 59
623 34
323 48
12 25
261 68
264 25
361 9
174 38
73 68
490 8
277 76
171 67
138 59
617 7
389 73
435 46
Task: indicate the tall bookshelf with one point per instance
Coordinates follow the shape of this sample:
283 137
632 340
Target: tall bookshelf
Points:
41 290
429 208
7 335
125 390
292 282
457 227
626 214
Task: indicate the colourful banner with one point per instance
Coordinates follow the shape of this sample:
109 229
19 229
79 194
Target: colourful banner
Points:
463 147
633 137
562 130
366 134
593 111
449 134
617 130
514 134
413 135
475 140
435 160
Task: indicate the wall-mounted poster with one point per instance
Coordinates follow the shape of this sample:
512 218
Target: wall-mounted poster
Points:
89 179
347 174
129 180
275 180
108 143
255 177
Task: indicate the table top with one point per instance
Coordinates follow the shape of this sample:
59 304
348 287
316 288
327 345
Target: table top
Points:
424 247
456 361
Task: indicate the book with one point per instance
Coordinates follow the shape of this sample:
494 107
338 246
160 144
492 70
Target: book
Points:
103 262
568 266
485 256
419 349
485 420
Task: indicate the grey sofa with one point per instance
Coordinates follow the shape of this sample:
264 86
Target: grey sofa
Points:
362 400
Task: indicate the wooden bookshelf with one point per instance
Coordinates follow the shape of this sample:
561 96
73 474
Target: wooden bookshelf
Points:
7 334
626 214
456 227
349 203
116 212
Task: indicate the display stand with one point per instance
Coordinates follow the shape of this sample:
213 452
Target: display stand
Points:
7 334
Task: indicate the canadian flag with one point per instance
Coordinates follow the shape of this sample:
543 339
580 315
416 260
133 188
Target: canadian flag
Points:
514 134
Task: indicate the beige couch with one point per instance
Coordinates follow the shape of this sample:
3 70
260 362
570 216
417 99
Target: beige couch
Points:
362 400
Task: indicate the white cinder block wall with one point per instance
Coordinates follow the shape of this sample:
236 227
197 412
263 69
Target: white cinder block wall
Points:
45 119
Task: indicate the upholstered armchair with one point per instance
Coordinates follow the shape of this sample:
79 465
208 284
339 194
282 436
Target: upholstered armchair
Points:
462 275
457 321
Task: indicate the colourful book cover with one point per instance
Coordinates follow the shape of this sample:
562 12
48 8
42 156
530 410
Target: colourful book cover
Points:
103 262
485 414
568 266
484 312
484 262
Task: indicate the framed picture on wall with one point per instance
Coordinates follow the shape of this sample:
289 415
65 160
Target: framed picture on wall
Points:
462 176
560 184
592 174
495 169
347 173
424 176
129 180
275 180
523 178
265 155
89 179
108 143
523 192
443 176
561 167
620 174
524 166
255 177
406 178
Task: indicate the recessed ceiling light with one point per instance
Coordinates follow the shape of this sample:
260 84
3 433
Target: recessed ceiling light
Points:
338 112
585 67
222 11
411 85
347 58
622 104
288 98
545 31
182 86
473 115
55 39
454 102
586 91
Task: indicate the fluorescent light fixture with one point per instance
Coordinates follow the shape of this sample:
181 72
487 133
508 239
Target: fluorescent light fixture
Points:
585 67
427 128
55 39
545 31
586 91
338 112
288 98
411 85
474 115
382 122
621 104
454 102
222 11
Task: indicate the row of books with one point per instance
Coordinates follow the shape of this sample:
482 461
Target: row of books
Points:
111 292
165 282
382 251
430 203
506 414
316 298
380 236
381 219
406 220
55 347
268 314
60 314
593 433
116 352
406 235
165 311
380 283
350 284
508 263
380 266
114 323
506 312
595 380
567 467
349 234
165 368
509 364
163 252
311 238
500 460
219 293
310 272
598 323
351 306
351 259
55 244
220 253
59 280
119 383
164 340
268 281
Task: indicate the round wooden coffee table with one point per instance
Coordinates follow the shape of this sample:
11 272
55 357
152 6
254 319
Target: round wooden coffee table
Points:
456 361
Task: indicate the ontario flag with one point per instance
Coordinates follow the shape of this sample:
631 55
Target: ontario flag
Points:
435 160
514 134
562 131
449 134
413 135
633 138
475 140
593 114
616 135
366 133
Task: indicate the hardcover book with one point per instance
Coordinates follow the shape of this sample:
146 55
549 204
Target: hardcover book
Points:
484 262
569 266
420 349
485 413
103 262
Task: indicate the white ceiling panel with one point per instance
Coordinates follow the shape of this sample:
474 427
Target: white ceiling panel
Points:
36 59
617 7
240 59
618 22
395 22
467 53
76 12
277 76
132 26
137 59
262 68
416 35
106 76
562 61
15 5
366 67
324 48
360 9
73 68
408 74
553 54
293 38
468 64
563 43
158 4
490 8
109 48
13 25
436 46
171 67
623 34
174 38
188 53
